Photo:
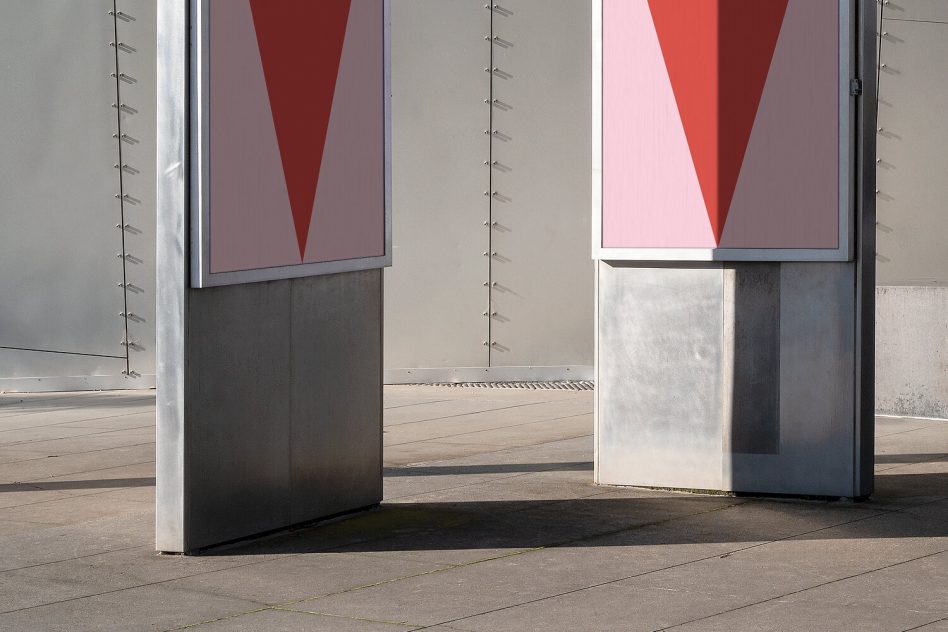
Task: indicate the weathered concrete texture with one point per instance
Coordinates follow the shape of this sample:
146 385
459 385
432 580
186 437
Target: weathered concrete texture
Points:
912 351
735 377
491 522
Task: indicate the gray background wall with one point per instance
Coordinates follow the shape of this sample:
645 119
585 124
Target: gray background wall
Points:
912 172
77 190
492 264
59 273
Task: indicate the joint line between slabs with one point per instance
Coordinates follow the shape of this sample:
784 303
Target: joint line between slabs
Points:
520 552
802 590
102 431
464 434
63 454
147 401
475 412
658 570
483 482
519 447
918 627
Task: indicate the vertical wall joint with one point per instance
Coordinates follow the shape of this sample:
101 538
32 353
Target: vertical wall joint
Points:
124 141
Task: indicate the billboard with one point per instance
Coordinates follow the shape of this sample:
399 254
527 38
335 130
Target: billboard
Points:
722 130
290 139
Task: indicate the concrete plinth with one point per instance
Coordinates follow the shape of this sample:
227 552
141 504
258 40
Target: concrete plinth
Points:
737 377
269 407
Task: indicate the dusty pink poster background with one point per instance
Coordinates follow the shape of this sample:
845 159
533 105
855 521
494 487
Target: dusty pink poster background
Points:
251 222
787 194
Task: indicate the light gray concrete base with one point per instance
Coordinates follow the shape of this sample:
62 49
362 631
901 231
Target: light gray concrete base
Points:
269 399
736 377
912 351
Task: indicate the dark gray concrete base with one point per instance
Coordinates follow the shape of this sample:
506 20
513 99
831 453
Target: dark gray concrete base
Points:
270 408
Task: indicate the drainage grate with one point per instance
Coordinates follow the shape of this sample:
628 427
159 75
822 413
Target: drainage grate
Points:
565 385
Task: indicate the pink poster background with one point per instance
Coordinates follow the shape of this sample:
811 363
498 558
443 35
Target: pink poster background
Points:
787 194
251 223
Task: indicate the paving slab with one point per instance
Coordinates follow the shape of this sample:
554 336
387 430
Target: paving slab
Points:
147 608
288 621
492 521
294 578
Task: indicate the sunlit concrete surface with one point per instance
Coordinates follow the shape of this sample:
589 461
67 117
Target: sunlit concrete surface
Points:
491 522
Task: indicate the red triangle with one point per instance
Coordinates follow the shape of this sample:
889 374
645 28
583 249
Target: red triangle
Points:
718 55
300 45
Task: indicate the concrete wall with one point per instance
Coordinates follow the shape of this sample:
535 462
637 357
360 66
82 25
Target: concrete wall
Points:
912 351
77 189
63 318
912 261
492 276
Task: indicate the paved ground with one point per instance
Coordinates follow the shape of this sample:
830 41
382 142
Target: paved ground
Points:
491 523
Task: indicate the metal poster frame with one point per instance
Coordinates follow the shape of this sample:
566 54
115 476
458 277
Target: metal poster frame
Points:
199 155
847 167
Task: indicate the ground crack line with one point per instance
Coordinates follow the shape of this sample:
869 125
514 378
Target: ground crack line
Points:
802 590
658 570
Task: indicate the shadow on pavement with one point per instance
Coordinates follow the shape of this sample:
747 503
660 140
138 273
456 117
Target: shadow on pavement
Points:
102 483
910 506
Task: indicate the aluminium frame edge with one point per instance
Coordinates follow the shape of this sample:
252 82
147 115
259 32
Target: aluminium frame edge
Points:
172 286
867 25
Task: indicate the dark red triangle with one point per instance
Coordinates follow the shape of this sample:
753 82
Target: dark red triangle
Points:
300 45
718 55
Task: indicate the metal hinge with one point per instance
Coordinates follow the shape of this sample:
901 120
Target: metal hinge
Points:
855 87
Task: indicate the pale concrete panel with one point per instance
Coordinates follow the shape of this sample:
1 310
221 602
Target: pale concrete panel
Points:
60 250
16 366
137 60
739 378
912 351
659 375
435 292
916 10
912 261
912 212
542 303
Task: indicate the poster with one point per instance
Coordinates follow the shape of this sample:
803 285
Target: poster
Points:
722 130
291 144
